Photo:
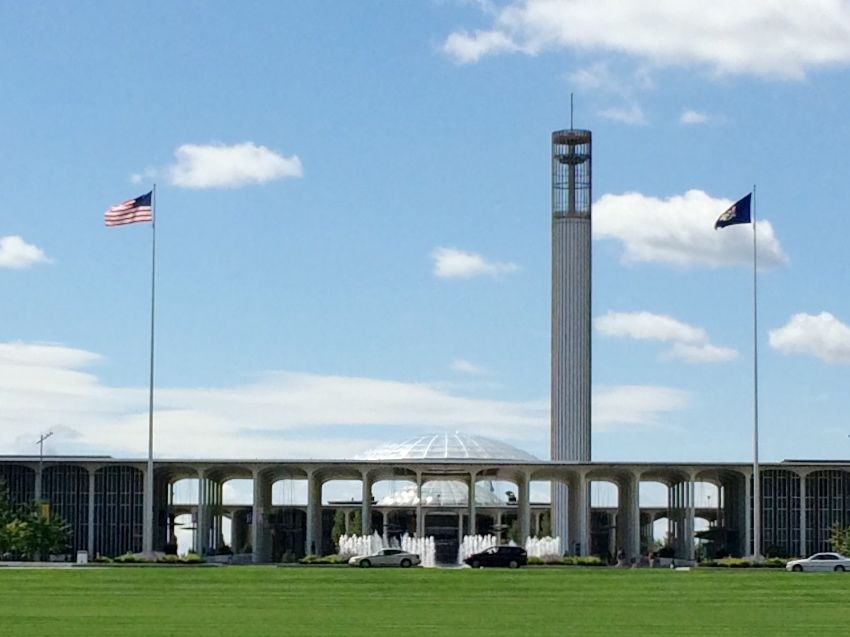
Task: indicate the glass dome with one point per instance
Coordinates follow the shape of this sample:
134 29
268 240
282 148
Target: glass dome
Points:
447 446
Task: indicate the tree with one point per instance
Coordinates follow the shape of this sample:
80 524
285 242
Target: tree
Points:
513 534
356 522
6 518
839 538
27 533
338 527
545 525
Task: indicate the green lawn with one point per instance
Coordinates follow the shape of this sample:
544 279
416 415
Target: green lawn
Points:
260 601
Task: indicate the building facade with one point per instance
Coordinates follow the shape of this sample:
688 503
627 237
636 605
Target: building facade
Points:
102 501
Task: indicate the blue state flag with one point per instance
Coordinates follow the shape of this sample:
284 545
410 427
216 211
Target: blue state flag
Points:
739 212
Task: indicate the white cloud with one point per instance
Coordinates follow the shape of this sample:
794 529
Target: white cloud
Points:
18 254
222 166
822 336
465 367
642 405
680 231
648 326
691 117
600 80
467 47
632 114
769 38
451 263
690 343
282 414
703 353
599 77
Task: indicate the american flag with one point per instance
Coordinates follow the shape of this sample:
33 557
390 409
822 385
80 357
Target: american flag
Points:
131 211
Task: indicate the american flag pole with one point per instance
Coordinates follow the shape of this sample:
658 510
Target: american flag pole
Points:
756 472
147 535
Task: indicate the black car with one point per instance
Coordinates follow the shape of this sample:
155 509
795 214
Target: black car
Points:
510 556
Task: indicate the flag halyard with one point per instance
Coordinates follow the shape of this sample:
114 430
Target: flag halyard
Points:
738 212
138 210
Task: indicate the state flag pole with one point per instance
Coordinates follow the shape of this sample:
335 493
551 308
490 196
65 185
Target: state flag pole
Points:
744 211
148 518
756 473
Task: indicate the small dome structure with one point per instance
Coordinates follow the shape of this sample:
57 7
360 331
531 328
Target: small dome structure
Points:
447 493
447 446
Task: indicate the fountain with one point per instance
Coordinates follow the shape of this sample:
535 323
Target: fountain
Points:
350 545
472 544
546 548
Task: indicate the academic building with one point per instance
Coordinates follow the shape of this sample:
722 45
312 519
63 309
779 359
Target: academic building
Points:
447 486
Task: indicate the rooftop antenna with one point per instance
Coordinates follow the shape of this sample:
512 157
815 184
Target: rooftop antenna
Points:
571 111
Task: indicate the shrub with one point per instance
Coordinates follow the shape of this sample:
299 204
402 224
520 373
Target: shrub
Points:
324 559
666 551
577 560
288 558
534 561
774 562
737 562
129 558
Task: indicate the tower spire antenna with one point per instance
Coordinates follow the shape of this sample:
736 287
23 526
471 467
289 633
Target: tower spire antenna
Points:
571 111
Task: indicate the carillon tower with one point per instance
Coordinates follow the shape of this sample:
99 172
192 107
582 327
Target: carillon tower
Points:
571 260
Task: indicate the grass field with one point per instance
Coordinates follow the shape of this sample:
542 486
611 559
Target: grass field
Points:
261 601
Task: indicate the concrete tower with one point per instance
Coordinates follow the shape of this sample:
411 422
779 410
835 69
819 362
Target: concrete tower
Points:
570 393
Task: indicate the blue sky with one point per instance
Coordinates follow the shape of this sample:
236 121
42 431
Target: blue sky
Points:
353 226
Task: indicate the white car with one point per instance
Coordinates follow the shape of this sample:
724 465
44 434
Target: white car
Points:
820 562
386 557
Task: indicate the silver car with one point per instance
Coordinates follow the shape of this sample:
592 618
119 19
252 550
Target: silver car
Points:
386 557
820 562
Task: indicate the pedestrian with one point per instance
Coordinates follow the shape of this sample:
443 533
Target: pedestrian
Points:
621 558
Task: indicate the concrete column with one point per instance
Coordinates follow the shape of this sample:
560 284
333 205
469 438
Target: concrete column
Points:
217 539
313 542
172 537
674 512
386 522
238 530
748 520
690 521
420 519
559 510
628 515
39 470
459 528
681 518
646 532
201 532
160 512
90 538
803 544
473 516
670 537
347 515
366 506
523 508
260 510
579 510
